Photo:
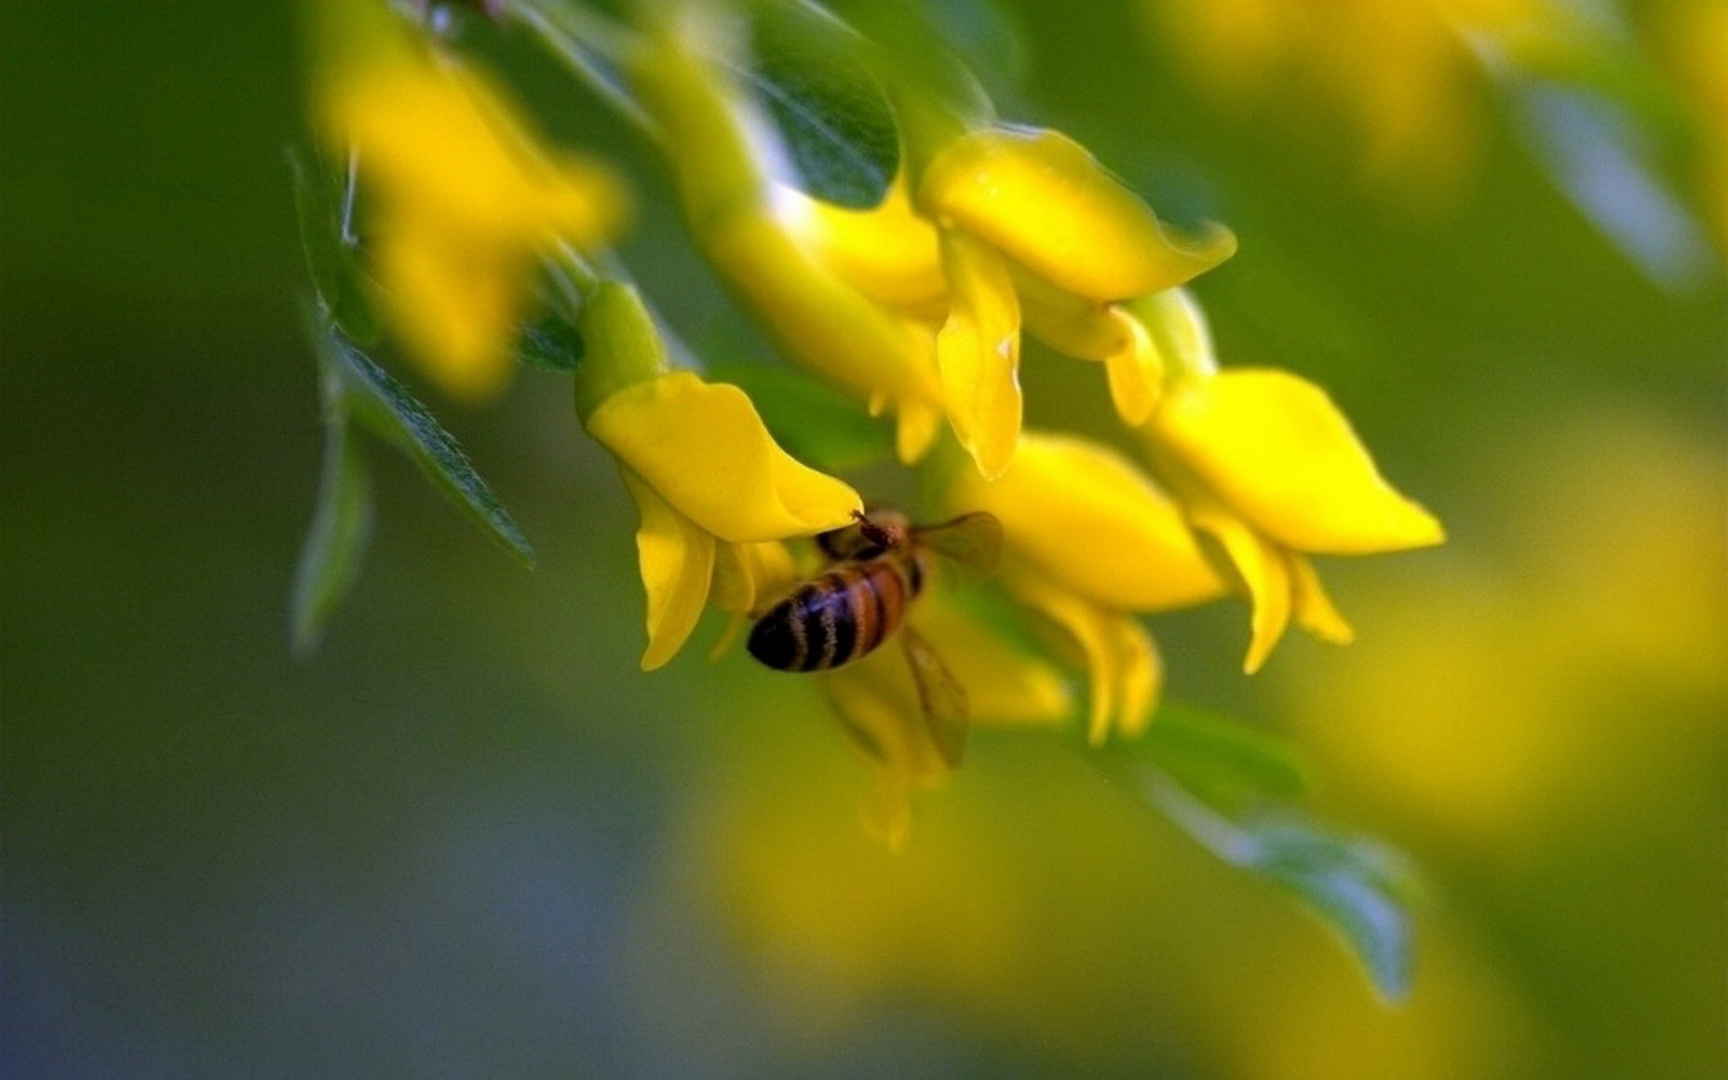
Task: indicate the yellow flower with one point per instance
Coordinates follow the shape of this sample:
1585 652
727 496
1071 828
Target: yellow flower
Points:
1404 68
1030 216
789 258
1268 466
880 706
467 199
712 487
1089 542
915 303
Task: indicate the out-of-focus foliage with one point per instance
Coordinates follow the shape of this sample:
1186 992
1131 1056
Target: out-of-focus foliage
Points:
472 838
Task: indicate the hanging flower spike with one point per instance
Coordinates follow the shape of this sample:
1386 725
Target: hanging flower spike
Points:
878 704
778 250
1267 465
710 483
467 199
1069 241
1090 541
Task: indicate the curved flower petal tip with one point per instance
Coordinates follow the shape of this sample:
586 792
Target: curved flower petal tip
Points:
1122 663
978 353
704 449
1043 200
1084 517
917 425
1135 370
1311 606
1278 451
676 558
1265 574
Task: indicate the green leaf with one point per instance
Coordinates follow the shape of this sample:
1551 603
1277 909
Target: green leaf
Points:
551 344
831 113
382 404
816 425
323 200
1356 886
341 525
1230 765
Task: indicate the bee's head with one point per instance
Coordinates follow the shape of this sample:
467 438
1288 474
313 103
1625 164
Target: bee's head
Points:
869 536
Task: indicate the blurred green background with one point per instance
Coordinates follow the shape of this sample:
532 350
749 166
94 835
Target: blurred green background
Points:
470 838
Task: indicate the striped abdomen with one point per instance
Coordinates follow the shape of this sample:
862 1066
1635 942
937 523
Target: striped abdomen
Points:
839 616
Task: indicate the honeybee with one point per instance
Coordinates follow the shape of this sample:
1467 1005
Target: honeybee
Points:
879 565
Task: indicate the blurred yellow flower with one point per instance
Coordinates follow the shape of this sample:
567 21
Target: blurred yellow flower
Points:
1404 68
1031 211
467 200
712 487
879 704
1583 665
1266 465
1090 541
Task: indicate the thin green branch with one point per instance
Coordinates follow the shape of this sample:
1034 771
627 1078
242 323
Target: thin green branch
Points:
576 35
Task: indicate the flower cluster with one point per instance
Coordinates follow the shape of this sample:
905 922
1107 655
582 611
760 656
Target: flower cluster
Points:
916 306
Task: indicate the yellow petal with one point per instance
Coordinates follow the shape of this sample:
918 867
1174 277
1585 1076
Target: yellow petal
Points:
888 252
1142 675
676 558
978 353
1312 607
1121 662
1088 627
747 581
1264 571
454 299
1277 450
735 624
704 449
1044 201
747 577
1136 371
1083 516
1074 325
466 199
441 139
915 432
820 321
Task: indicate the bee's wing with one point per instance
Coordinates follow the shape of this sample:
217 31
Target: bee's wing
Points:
974 540
940 695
